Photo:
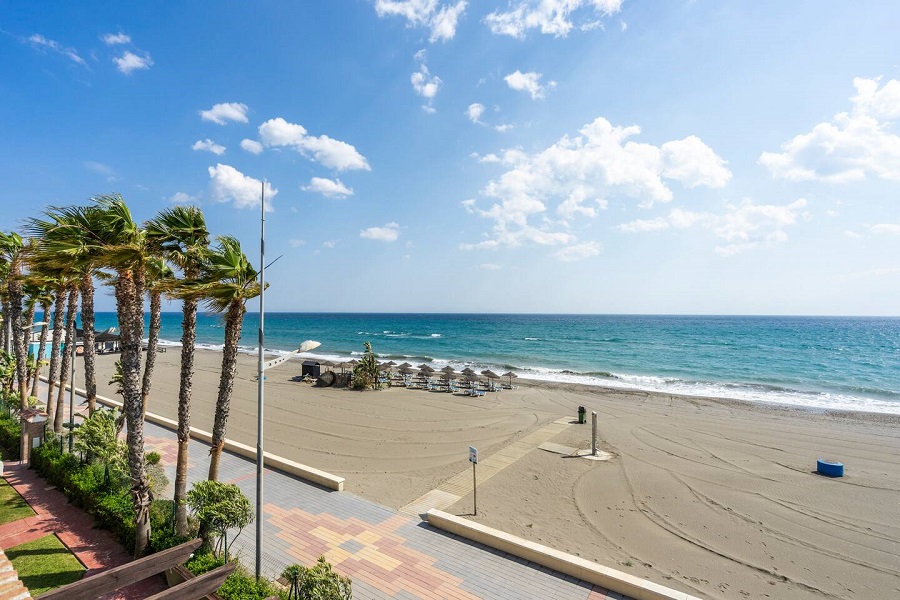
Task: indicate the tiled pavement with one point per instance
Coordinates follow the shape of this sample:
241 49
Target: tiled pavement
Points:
388 554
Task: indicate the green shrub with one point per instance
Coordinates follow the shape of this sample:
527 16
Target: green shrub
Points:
241 585
318 582
10 434
152 458
203 561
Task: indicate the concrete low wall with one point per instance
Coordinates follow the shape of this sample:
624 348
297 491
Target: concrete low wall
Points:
280 463
611 579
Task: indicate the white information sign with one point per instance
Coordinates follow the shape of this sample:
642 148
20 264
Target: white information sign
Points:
473 455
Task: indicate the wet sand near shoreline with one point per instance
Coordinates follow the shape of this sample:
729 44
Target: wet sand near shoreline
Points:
717 498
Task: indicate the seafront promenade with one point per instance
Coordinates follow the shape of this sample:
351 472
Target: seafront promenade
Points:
387 553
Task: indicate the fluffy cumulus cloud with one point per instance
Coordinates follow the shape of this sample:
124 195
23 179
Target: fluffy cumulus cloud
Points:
209 146
851 146
441 18
331 188
41 43
389 233
227 184
223 112
334 154
130 62
251 146
741 227
113 39
528 82
577 252
539 195
888 228
551 17
474 112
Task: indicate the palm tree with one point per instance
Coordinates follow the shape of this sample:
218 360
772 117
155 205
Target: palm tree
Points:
119 244
159 278
229 281
67 226
11 247
179 234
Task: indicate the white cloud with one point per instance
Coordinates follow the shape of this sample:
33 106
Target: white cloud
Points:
330 243
441 18
426 86
183 198
101 169
578 252
39 41
528 82
331 188
850 147
474 112
504 127
488 267
296 243
111 39
209 146
575 176
331 153
227 184
889 228
851 235
552 17
389 233
693 163
224 112
742 226
129 62
251 146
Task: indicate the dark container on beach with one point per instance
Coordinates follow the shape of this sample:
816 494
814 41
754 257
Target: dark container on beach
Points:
581 412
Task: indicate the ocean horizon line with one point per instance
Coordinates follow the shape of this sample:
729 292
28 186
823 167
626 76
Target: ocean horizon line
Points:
543 314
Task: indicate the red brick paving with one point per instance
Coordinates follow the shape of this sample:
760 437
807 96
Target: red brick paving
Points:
97 549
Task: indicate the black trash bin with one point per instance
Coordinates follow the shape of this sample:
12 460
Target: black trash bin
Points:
581 413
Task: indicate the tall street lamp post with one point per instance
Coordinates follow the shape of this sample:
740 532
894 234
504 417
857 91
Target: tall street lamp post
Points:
263 367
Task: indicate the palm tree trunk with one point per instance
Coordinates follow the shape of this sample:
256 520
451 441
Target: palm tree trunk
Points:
66 359
5 334
42 347
130 309
87 325
152 342
188 337
15 317
59 306
234 321
28 320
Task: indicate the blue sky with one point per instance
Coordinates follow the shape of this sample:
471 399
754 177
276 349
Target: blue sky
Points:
436 155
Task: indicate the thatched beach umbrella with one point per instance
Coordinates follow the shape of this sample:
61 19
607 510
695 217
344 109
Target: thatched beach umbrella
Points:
405 365
467 371
449 370
327 364
406 370
390 363
509 374
490 374
426 368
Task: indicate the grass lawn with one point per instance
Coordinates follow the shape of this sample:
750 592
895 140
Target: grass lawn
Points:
12 506
45 564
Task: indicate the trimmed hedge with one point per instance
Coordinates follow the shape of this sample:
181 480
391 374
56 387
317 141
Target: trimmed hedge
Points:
85 487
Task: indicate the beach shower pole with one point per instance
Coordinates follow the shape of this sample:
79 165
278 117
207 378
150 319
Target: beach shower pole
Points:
260 379
593 433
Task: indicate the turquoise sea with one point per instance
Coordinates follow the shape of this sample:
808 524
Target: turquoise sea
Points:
818 362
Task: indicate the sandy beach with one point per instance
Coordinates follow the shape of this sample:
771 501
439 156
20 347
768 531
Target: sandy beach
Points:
717 498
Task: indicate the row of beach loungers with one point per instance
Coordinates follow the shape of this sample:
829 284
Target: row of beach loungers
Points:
469 388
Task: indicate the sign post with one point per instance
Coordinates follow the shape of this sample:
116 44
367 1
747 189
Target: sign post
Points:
473 458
